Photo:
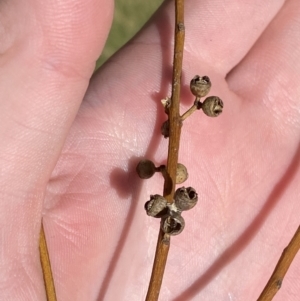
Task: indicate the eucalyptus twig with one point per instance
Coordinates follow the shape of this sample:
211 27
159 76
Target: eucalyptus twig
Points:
46 267
163 242
170 206
281 268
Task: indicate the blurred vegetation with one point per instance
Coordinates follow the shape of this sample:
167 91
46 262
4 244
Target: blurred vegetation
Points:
129 17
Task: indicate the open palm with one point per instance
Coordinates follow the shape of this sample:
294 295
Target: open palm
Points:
76 165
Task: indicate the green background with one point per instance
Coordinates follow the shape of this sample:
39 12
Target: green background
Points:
129 17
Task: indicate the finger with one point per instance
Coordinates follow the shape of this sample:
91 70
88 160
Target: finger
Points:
218 36
218 33
269 74
47 53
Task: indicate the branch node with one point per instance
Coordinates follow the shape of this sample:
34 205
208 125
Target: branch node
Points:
180 26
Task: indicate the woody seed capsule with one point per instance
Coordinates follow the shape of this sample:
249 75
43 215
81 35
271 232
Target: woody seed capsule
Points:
156 206
165 129
185 198
200 86
212 106
145 169
173 224
181 173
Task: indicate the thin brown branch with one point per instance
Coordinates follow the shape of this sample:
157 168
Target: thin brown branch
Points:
46 267
288 254
163 242
191 110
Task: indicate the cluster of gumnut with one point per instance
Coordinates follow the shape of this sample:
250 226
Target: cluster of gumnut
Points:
172 222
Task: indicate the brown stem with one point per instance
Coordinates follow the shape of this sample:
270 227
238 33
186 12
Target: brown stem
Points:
46 267
288 254
163 242
197 104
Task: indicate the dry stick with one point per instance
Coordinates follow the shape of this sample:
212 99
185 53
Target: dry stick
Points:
281 268
46 267
191 110
163 242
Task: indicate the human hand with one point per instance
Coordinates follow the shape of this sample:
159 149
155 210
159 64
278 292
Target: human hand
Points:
244 164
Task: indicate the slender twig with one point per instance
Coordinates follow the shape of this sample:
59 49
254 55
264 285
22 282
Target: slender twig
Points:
192 109
189 112
281 268
46 267
163 242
